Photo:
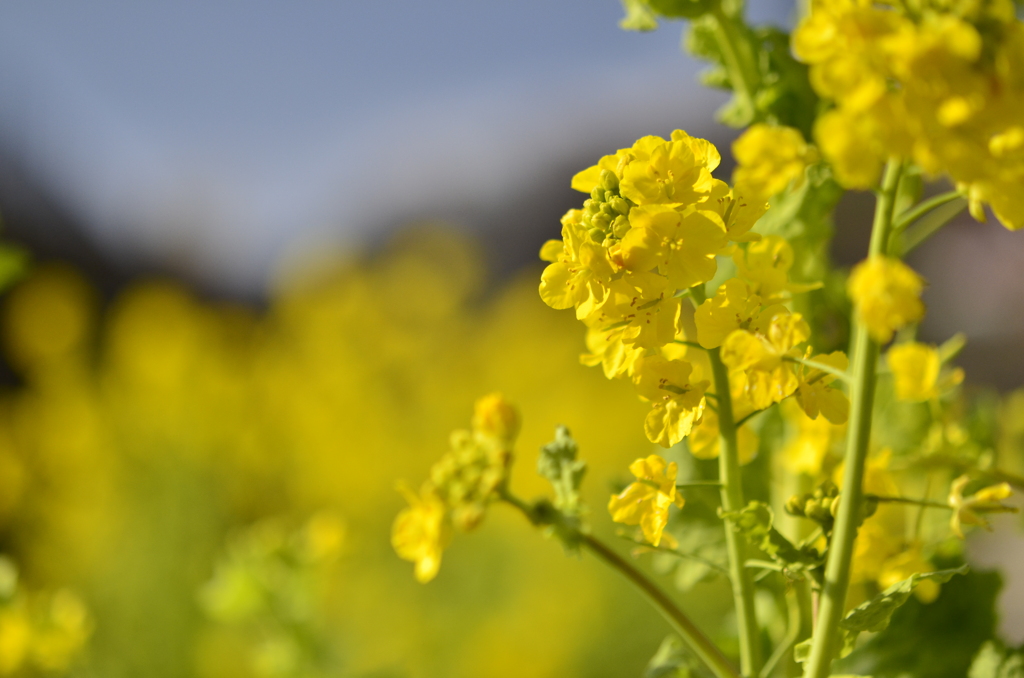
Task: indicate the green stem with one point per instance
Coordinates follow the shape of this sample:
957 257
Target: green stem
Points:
823 367
698 483
740 61
907 500
732 501
798 602
543 513
862 395
921 209
699 643
931 224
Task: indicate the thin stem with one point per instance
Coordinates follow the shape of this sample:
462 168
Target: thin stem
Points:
824 367
919 210
745 419
862 395
698 483
795 627
679 554
764 565
699 643
930 225
907 500
692 344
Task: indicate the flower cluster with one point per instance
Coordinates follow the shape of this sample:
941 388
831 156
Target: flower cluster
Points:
459 488
938 82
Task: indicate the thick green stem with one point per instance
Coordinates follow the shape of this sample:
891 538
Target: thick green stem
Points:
732 500
699 643
740 60
862 395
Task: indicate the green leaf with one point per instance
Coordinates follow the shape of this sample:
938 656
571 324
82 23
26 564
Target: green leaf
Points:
953 628
672 660
875 614
755 523
639 16
681 9
993 661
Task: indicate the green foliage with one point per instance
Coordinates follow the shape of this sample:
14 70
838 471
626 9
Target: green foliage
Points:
558 463
672 660
994 661
953 628
755 522
639 16
875 614
14 263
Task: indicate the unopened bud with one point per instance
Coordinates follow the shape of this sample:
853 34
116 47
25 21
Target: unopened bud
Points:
495 417
609 181
795 505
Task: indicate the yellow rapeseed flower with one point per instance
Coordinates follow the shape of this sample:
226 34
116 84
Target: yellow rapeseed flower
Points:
816 393
735 306
887 295
758 361
579 270
917 372
769 158
969 510
646 502
682 245
704 440
676 402
420 532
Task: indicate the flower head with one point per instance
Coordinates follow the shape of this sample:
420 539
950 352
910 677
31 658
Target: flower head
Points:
887 295
769 158
646 502
420 532
969 510
917 372
676 402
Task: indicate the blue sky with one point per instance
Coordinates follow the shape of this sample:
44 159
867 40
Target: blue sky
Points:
216 136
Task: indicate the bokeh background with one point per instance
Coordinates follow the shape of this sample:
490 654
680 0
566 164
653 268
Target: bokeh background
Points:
279 248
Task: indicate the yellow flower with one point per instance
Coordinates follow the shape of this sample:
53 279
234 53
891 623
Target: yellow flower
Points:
579 272
738 212
758 360
676 402
704 440
765 265
734 307
646 502
968 510
816 394
639 303
495 417
887 295
682 245
769 158
917 372
676 171
420 532
807 451
608 350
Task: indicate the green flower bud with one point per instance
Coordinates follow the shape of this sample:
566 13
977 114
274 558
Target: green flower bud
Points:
596 234
795 505
598 194
618 204
620 226
609 181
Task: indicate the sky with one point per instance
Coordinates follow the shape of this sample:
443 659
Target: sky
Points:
216 137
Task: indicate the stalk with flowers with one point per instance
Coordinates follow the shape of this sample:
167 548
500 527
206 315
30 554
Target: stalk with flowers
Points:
719 304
